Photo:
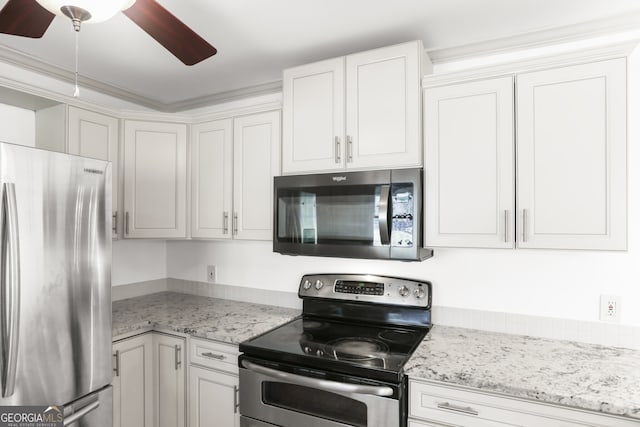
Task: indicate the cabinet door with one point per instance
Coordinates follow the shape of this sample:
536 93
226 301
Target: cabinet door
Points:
155 177
469 164
96 135
169 380
211 179
572 167
383 99
132 382
313 122
256 159
213 398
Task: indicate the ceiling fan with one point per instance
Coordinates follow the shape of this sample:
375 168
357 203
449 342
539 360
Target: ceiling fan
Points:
31 18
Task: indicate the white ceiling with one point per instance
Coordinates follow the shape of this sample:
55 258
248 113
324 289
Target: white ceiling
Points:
256 39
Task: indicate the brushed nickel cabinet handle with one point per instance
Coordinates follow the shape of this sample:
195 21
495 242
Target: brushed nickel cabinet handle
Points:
455 408
116 369
178 361
338 157
506 226
213 356
349 149
126 223
236 404
225 222
524 224
235 223
114 227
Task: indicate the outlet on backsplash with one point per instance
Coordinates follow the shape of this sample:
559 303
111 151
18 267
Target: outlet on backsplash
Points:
610 308
211 273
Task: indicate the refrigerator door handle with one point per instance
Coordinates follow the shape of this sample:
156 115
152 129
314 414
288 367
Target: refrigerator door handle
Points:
81 413
10 291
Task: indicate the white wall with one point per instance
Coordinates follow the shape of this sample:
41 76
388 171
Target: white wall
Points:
17 125
138 261
560 284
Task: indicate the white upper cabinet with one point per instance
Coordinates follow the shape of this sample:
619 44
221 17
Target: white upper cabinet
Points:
211 179
383 127
362 111
256 145
313 122
469 164
572 168
232 168
155 179
571 186
96 135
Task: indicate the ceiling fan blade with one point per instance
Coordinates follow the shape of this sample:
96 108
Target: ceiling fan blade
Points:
170 32
25 18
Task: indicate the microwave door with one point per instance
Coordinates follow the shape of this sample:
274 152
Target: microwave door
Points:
384 217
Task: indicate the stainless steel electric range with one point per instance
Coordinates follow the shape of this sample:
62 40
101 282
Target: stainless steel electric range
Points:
341 362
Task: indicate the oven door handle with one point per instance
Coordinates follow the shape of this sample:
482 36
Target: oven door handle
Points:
326 385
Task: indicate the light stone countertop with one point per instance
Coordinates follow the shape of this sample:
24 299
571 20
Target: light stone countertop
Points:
586 376
578 375
217 319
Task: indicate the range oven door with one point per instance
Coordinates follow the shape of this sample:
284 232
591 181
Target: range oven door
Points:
289 399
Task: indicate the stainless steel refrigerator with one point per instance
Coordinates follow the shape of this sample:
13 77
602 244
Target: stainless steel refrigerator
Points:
55 283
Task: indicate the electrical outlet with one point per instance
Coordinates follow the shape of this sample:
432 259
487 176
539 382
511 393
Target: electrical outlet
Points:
211 273
610 308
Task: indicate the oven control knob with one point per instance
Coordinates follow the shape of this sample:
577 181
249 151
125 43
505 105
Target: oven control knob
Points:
306 285
319 353
319 284
419 293
403 291
307 349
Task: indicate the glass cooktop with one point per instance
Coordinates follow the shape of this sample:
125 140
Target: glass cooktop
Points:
345 347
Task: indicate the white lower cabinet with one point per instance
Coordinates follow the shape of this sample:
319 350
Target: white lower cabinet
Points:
169 381
437 404
132 382
149 379
213 385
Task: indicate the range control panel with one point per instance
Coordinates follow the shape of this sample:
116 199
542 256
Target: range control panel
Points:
366 288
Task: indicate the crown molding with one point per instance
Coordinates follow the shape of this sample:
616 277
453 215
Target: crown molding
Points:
540 38
533 63
28 62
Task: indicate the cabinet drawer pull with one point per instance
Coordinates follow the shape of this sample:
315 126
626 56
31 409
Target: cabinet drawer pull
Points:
114 227
462 409
126 223
338 157
214 356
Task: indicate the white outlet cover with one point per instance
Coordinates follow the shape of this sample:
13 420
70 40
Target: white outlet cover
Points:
211 273
610 306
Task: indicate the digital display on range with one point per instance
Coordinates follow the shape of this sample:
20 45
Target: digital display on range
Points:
362 288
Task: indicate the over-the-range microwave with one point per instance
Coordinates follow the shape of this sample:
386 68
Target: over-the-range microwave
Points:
368 214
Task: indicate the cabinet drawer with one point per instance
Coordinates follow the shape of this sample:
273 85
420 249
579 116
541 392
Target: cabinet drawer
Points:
451 405
214 355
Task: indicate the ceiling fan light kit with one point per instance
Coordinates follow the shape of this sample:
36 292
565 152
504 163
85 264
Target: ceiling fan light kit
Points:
96 10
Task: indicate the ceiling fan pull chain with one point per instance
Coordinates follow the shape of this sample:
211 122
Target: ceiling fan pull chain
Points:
76 92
